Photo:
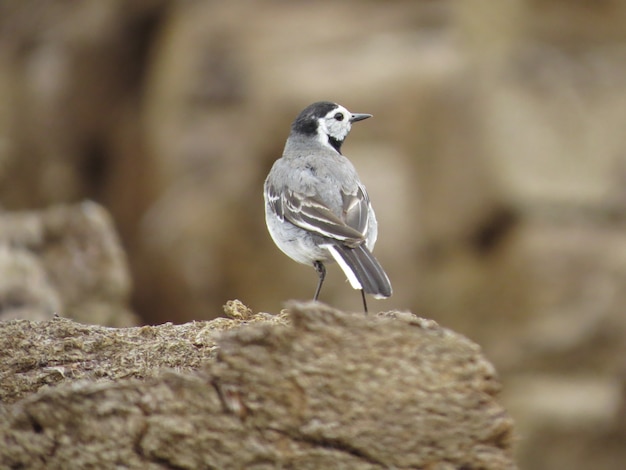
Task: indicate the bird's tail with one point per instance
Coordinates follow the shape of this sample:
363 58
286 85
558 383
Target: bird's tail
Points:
362 269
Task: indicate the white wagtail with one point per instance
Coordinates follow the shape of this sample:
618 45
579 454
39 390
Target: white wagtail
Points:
316 208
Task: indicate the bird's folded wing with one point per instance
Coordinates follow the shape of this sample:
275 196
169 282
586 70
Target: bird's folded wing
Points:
311 214
356 210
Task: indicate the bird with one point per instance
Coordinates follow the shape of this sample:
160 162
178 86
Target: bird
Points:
317 211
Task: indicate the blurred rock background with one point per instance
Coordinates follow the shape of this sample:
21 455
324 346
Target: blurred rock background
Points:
496 161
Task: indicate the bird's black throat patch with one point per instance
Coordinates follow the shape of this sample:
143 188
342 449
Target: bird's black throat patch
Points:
335 143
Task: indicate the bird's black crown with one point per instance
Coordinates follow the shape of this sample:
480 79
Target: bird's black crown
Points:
306 122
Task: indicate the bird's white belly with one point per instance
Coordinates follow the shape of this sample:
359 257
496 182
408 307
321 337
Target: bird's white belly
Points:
295 242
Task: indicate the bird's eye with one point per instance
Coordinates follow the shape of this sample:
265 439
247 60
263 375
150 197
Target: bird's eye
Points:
339 117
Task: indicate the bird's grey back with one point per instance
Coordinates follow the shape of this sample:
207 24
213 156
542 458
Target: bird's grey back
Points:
312 169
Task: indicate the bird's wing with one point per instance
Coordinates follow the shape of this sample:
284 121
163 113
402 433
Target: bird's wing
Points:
310 213
356 210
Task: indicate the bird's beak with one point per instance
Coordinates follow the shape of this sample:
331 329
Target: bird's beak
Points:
359 117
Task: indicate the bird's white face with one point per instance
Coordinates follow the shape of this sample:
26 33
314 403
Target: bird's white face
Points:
336 125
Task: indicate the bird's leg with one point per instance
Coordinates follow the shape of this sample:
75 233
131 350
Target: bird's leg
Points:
321 271
364 301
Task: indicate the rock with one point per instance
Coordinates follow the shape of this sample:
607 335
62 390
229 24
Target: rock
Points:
332 390
65 260
40 354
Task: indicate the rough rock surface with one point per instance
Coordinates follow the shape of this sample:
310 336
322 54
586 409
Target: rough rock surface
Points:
330 390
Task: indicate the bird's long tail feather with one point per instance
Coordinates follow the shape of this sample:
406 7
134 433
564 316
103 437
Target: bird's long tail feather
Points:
362 269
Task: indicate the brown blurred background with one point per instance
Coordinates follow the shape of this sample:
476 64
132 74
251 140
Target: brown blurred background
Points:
496 161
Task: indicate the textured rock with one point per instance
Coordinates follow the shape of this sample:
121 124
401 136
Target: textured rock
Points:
333 390
39 354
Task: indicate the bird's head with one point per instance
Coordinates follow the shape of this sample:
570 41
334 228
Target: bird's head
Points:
329 123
